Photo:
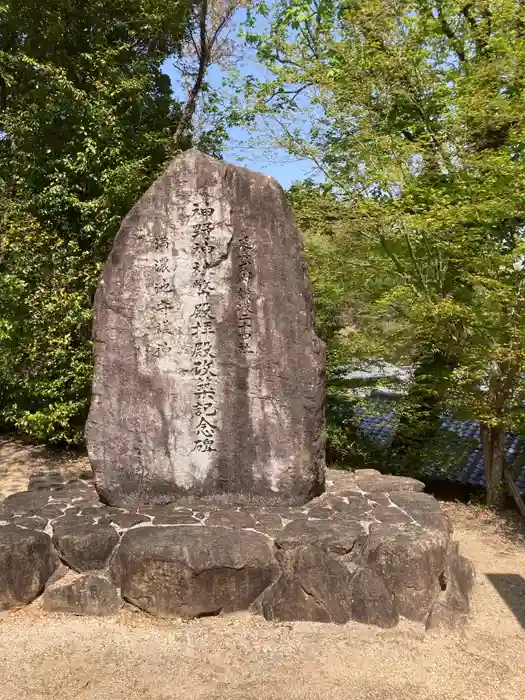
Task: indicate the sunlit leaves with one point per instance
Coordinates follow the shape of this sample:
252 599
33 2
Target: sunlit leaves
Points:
412 111
88 119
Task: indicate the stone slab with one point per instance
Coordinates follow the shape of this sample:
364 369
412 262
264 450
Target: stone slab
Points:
312 586
209 377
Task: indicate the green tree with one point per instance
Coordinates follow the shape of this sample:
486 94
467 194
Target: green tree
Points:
319 216
413 112
87 119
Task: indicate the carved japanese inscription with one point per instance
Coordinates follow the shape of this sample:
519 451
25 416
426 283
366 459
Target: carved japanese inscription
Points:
244 307
208 374
203 333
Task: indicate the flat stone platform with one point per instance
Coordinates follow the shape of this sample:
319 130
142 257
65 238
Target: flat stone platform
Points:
372 548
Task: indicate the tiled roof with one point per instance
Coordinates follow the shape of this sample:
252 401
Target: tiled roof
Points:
377 423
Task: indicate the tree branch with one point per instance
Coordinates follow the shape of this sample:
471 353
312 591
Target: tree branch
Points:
203 53
448 32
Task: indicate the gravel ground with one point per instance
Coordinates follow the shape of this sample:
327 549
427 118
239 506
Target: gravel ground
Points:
133 656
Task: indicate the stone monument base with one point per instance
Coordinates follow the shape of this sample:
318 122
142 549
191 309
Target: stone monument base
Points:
373 548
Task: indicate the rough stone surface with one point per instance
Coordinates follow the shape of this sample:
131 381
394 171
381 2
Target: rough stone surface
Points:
58 574
26 562
369 555
209 378
423 509
312 586
190 571
127 520
371 601
411 562
460 583
85 548
331 535
442 617
370 481
87 595
31 522
25 503
451 609
231 518
76 492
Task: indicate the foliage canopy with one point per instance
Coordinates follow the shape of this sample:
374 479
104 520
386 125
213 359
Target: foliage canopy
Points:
87 120
412 110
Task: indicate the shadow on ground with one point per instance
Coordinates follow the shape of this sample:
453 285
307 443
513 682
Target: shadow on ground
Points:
22 464
511 588
42 480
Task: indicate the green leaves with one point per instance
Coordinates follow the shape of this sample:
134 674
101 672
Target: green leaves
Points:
412 111
88 120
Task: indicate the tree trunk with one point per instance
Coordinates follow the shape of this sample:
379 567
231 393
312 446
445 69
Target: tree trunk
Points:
493 441
203 52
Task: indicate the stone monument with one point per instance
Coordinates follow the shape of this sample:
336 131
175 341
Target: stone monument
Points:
209 377
206 435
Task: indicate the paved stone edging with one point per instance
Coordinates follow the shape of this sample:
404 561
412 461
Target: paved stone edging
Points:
371 549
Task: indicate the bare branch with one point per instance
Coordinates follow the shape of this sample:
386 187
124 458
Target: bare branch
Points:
194 42
203 55
227 17
294 92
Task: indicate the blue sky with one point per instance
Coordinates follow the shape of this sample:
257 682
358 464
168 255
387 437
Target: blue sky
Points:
281 166
239 150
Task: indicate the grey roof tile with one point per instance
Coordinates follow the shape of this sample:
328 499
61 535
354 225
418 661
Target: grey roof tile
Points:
379 426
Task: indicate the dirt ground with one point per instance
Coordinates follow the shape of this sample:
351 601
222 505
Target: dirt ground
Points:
133 656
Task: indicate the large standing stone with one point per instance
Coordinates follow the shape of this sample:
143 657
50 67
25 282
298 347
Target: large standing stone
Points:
208 373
